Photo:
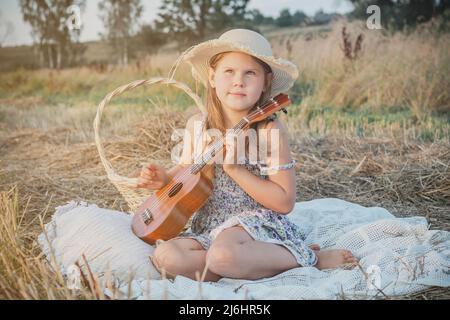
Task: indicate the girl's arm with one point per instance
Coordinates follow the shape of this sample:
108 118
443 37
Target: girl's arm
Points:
278 192
166 175
186 158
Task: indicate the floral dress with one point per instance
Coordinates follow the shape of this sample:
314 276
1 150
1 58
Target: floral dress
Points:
229 205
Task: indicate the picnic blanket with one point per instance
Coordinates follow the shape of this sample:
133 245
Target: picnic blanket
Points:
397 256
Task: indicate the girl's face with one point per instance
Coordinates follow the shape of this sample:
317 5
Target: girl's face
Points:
238 81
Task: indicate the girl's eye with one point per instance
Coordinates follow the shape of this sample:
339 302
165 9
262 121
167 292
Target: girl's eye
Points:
248 72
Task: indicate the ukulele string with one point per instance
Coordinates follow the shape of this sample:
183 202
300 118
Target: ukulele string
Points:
219 143
165 195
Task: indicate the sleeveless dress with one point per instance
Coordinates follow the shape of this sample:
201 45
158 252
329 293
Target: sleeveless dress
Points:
229 205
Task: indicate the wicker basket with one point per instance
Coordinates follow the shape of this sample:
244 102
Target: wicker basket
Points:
134 197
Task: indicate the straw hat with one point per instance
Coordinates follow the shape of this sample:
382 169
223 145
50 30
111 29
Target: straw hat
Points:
241 40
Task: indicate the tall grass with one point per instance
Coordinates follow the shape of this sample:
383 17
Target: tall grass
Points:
392 71
80 84
23 272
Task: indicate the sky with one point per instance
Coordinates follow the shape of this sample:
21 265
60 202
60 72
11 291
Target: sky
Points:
92 25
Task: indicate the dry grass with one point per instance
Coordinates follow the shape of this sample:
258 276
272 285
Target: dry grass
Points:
45 166
390 71
23 272
48 155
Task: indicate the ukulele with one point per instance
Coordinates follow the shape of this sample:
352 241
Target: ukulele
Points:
164 214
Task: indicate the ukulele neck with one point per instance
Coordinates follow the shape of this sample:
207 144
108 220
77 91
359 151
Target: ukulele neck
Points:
260 113
216 147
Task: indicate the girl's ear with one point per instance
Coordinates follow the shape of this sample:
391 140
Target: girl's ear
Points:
211 74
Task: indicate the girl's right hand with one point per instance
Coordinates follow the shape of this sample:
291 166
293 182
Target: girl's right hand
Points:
152 177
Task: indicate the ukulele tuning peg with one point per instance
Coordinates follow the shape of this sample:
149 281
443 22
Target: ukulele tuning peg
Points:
284 110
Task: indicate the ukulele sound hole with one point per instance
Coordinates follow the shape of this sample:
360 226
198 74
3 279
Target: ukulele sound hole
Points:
175 189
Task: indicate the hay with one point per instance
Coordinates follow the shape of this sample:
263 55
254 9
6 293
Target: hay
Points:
402 175
404 178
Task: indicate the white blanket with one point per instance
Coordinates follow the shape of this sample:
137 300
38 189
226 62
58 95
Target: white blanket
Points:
397 255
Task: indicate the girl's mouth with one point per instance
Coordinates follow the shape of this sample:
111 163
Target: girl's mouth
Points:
237 94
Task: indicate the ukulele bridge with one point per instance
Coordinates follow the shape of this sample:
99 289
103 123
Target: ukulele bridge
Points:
147 216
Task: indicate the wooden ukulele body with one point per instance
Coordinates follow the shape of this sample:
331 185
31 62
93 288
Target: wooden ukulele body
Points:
172 206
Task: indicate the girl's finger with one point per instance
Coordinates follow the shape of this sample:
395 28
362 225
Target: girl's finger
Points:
140 185
144 180
146 175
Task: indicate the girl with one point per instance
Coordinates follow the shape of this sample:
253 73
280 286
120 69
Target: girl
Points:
243 230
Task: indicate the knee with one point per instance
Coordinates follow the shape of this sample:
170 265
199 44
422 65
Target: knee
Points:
168 256
222 260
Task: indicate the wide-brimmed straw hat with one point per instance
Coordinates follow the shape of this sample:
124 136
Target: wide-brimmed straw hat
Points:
240 40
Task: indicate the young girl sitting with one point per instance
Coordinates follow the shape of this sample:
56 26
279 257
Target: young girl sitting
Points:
243 230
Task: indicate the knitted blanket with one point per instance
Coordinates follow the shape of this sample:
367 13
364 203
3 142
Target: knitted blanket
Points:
397 256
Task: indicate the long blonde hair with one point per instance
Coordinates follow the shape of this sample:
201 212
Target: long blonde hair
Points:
215 118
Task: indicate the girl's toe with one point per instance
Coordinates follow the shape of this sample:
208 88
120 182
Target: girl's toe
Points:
349 257
348 254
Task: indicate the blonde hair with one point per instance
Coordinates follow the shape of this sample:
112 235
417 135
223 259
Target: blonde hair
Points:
215 118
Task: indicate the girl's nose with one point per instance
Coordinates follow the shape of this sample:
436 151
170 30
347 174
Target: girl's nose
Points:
238 81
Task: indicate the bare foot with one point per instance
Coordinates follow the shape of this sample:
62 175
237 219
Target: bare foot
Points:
331 259
314 247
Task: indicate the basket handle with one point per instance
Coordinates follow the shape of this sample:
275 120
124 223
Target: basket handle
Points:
108 167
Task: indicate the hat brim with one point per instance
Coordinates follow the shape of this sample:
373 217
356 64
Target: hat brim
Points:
284 72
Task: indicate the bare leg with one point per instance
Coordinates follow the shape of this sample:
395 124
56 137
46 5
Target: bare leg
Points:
234 254
182 256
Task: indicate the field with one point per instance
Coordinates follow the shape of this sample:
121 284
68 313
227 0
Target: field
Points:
372 130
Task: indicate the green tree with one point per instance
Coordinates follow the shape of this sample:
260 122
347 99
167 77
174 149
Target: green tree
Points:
284 19
191 20
58 45
257 17
150 40
321 17
398 14
300 18
121 21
